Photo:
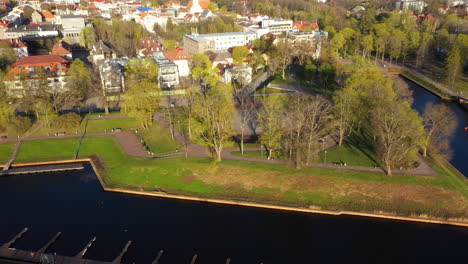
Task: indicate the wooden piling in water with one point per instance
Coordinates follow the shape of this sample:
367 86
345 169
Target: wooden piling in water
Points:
13 240
83 251
118 259
156 260
51 241
194 258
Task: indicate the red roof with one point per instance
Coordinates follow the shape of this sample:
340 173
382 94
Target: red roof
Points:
176 54
203 3
39 60
47 14
62 48
149 46
301 25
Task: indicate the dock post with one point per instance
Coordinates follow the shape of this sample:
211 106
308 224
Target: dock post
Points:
46 246
83 251
118 259
156 260
228 260
194 258
13 240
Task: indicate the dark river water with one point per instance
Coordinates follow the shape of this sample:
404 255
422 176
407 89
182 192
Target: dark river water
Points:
75 204
459 141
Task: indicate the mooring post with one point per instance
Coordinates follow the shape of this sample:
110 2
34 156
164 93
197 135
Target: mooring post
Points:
83 251
156 260
118 259
13 240
228 260
46 246
194 258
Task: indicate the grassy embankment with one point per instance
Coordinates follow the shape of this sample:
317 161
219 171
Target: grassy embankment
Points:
444 196
155 138
6 149
424 83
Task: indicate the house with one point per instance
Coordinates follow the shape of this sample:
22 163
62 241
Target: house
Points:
48 17
204 4
415 5
223 58
112 73
55 68
16 17
256 17
3 27
148 46
36 17
101 51
63 49
206 14
168 71
173 4
72 26
19 47
302 25
181 59
192 18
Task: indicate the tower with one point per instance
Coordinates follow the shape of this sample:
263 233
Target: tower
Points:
196 8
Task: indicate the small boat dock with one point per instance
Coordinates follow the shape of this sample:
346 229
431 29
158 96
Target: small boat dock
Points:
41 169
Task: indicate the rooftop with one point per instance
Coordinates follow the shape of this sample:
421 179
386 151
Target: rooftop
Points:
199 37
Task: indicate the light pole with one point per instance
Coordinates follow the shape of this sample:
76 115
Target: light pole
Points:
325 161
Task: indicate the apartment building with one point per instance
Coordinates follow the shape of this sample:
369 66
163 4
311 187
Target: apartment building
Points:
217 42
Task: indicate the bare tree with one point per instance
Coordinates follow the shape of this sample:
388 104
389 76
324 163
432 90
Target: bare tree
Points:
439 124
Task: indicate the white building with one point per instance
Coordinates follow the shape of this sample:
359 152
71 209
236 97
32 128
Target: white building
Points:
196 8
415 5
200 43
269 26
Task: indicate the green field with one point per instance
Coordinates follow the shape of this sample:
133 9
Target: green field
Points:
47 150
349 154
159 141
6 149
106 125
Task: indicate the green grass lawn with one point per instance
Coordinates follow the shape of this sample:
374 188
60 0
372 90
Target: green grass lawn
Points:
6 149
159 141
103 125
261 182
47 150
251 154
346 153
278 79
271 90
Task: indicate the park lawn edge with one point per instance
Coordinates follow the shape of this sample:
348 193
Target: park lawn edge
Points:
108 167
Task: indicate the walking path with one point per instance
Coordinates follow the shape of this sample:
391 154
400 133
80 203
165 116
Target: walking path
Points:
133 146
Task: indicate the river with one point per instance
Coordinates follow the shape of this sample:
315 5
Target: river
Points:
75 204
459 140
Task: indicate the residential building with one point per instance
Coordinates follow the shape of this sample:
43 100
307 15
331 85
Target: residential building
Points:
63 49
101 51
48 17
112 73
256 17
16 17
148 46
313 41
168 71
72 26
19 47
181 59
32 31
3 27
37 17
302 25
217 42
415 5
55 68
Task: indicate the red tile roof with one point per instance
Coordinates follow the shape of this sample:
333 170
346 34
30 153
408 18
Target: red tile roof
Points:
47 14
301 25
203 3
176 54
62 48
149 46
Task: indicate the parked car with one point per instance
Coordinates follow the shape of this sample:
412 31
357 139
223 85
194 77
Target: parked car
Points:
3 137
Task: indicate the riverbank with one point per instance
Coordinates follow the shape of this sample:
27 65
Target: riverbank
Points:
101 175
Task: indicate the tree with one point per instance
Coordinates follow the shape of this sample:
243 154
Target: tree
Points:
239 54
141 101
367 45
154 3
213 114
79 83
343 110
170 44
203 70
7 55
281 58
397 130
247 111
305 122
45 112
190 96
453 65
439 124
88 37
6 113
270 119
141 70
426 39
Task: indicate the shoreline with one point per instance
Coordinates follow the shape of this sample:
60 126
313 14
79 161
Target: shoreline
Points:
428 219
